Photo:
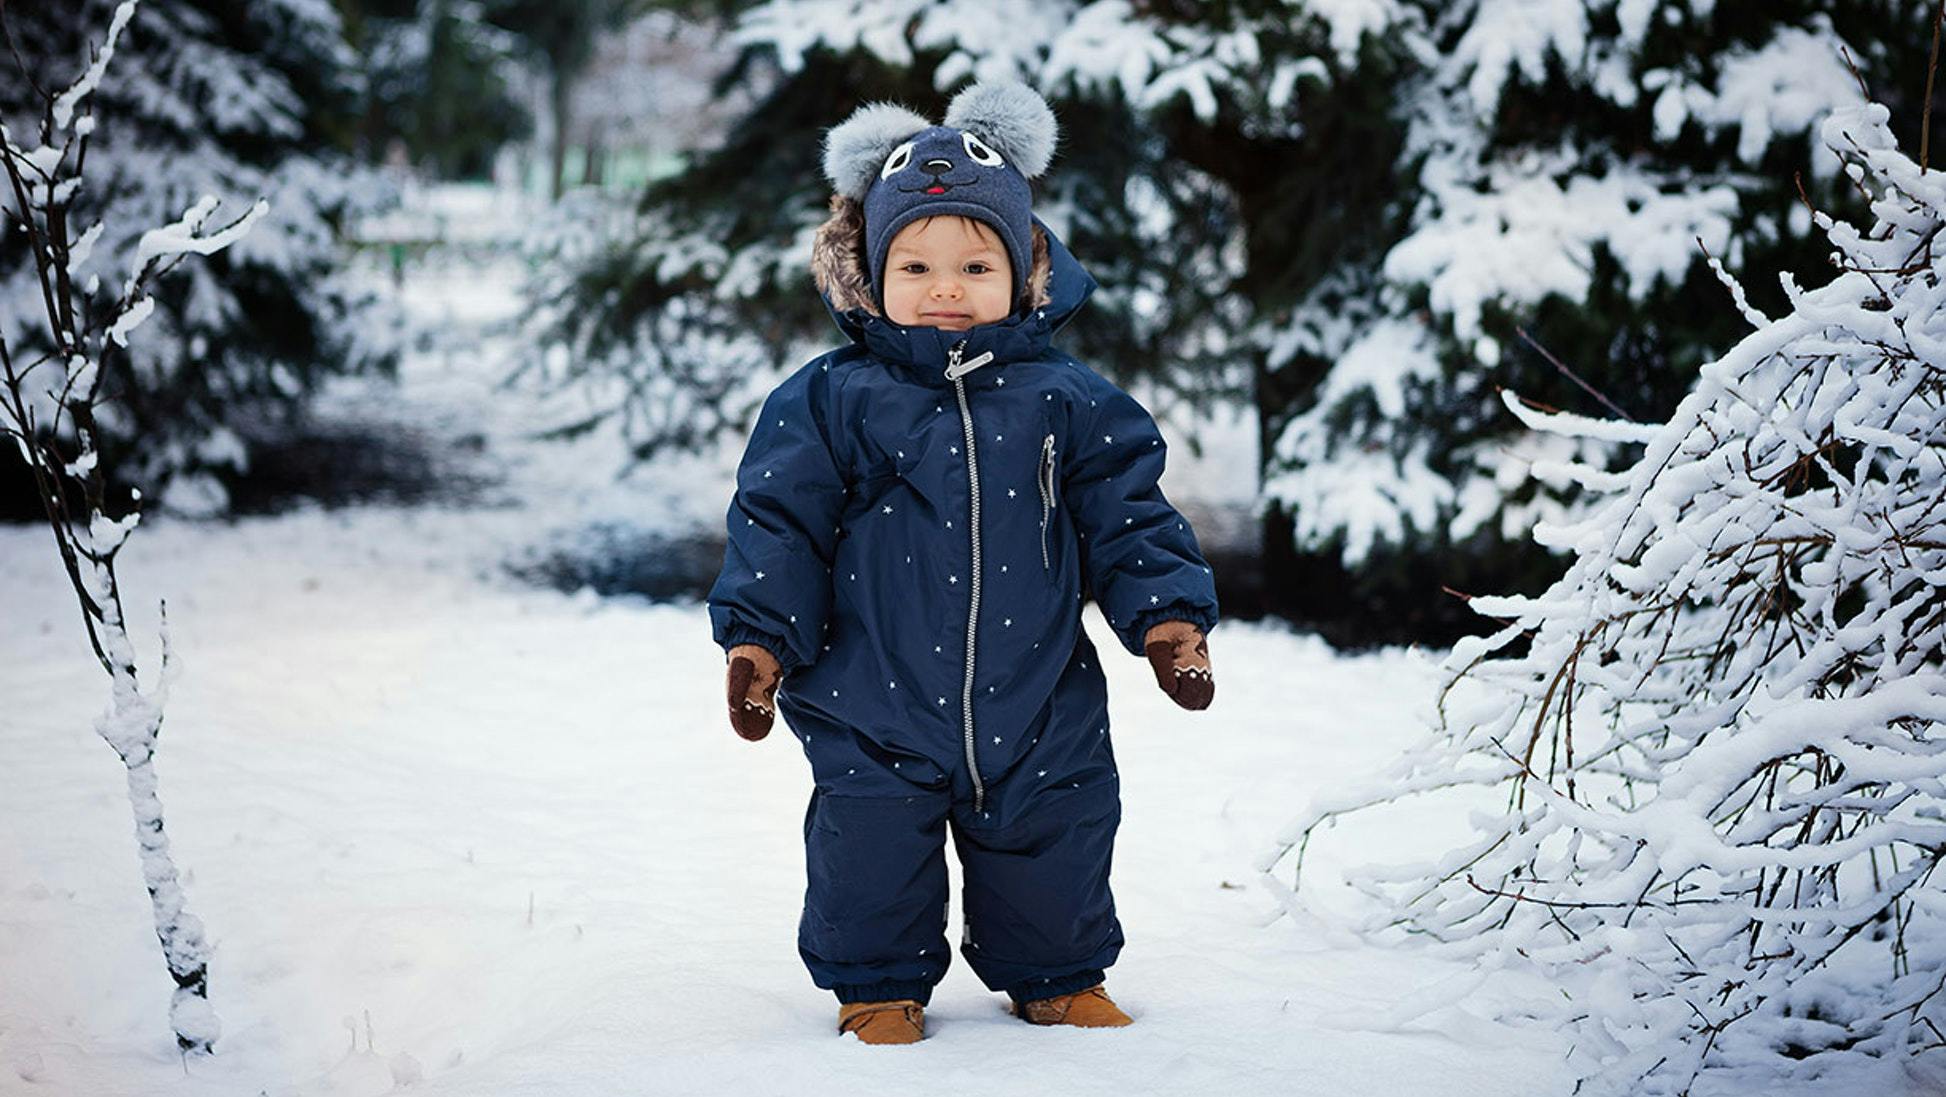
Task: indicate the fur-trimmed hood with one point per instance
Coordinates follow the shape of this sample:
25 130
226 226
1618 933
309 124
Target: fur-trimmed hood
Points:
1057 286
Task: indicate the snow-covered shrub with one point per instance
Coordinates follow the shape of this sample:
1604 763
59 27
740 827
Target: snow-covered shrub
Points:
1722 734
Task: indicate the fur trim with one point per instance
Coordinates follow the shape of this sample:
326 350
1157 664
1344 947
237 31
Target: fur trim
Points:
1038 274
838 257
855 149
838 260
1012 118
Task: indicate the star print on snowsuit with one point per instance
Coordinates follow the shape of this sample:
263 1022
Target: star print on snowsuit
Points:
935 668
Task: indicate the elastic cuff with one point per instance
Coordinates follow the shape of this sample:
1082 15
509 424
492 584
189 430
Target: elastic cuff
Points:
744 634
1031 990
887 991
1203 617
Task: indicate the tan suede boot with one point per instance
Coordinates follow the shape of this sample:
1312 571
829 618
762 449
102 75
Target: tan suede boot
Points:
1090 1008
900 1021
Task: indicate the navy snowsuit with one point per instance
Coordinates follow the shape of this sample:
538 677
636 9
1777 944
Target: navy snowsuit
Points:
914 547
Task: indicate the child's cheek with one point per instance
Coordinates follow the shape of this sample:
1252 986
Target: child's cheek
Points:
901 305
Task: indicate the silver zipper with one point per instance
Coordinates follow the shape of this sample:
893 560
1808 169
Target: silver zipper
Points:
956 373
1045 482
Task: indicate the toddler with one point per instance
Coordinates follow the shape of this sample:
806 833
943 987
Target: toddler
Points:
879 587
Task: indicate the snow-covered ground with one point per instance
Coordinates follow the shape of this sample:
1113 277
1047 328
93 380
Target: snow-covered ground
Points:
508 836
456 834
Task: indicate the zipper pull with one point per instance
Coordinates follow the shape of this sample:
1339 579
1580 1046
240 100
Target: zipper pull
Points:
1047 470
955 371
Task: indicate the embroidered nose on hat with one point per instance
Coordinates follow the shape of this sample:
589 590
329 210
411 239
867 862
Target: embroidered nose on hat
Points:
900 168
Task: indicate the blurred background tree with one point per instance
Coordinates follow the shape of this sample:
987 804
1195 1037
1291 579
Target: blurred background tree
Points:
209 97
442 84
562 41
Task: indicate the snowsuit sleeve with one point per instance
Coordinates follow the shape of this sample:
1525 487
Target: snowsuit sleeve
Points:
775 586
1138 552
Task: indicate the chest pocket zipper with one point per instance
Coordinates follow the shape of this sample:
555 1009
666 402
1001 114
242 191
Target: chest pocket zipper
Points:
1046 483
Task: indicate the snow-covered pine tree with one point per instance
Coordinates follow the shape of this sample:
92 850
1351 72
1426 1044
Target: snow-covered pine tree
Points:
217 97
1561 163
1722 733
52 395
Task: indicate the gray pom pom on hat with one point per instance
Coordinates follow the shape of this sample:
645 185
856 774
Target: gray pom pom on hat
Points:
855 149
1012 118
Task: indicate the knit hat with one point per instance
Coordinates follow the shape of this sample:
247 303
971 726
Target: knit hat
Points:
900 168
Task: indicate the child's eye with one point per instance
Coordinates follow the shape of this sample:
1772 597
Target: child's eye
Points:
977 268
914 268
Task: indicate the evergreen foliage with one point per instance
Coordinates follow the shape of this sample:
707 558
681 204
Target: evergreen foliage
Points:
217 97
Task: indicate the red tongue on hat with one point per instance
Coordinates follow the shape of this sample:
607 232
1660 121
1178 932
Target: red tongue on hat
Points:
935 190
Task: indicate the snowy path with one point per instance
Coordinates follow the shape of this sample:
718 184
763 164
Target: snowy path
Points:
377 757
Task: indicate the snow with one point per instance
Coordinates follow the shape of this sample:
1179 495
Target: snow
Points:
131 318
1091 47
1786 87
1579 426
376 758
66 102
1389 354
1527 236
186 234
1104 46
188 120
1351 20
79 251
448 831
1506 216
1505 35
1371 489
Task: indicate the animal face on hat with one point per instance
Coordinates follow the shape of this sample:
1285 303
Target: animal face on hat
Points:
900 167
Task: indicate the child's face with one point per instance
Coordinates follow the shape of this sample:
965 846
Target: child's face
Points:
947 272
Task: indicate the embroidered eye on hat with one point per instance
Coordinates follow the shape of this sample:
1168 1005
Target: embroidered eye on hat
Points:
900 167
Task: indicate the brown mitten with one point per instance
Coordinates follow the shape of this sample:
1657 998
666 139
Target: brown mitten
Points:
1180 655
752 689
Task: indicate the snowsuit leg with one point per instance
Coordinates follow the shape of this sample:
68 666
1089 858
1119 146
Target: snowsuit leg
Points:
1039 917
874 921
